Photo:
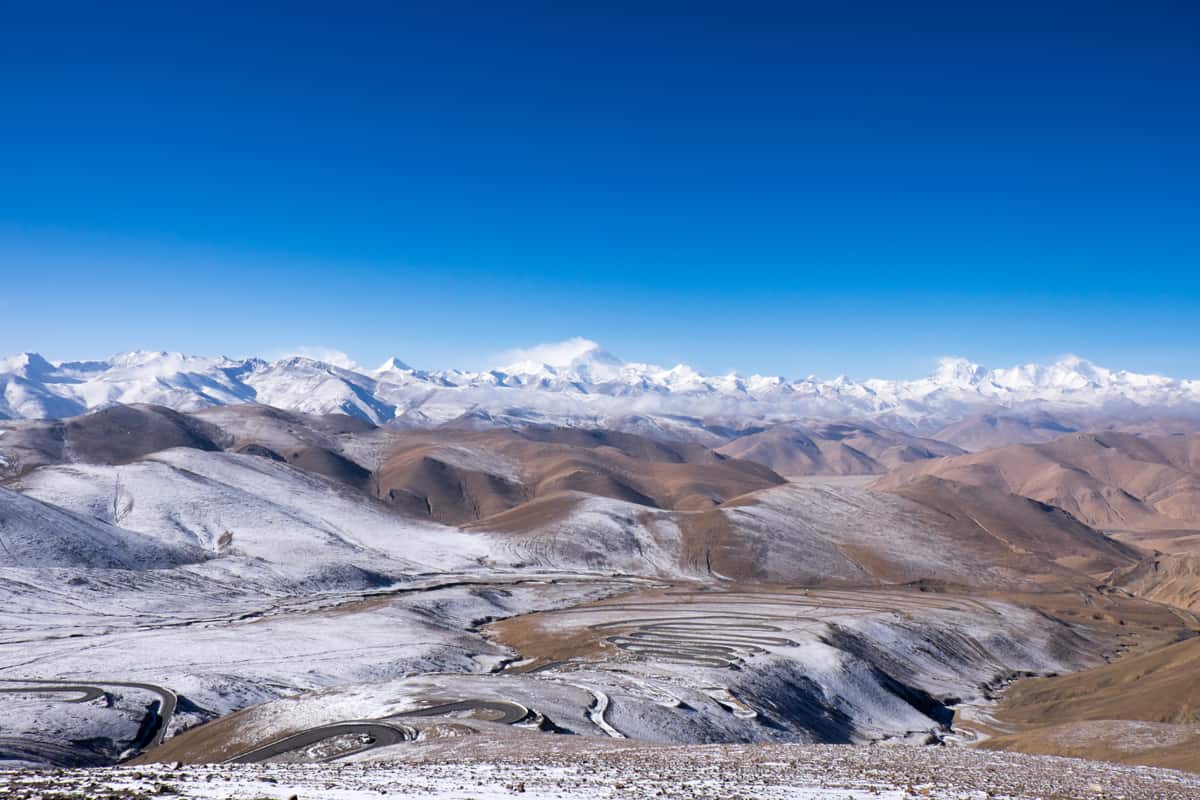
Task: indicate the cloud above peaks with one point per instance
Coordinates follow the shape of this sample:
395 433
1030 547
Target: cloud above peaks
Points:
556 354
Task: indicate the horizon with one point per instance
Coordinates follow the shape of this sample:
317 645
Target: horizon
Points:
564 354
780 190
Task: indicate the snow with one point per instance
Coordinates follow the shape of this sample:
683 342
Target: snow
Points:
35 534
279 515
239 581
460 769
666 773
573 382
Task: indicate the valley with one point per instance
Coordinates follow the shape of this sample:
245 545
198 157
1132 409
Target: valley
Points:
251 585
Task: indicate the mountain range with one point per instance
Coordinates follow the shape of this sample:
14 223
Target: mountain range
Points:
582 385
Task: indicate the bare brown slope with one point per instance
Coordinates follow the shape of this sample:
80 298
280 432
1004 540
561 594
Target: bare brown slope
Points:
820 535
1111 481
254 422
1144 709
461 476
122 434
1002 428
1023 534
834 448
323 444
1173 580
115 435
630 444
418 482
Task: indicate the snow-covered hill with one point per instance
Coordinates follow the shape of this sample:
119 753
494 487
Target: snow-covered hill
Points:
36 534
246 507
577 383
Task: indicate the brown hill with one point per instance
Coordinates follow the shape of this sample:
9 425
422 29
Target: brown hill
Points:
282 431
1023 534
425 479
615 499
324 444
1173 580
452 476
1004 427
461 476
822 534
834 448
1144 709
1111 481
115 435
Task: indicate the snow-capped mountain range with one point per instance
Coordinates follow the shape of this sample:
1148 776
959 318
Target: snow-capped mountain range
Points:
576 383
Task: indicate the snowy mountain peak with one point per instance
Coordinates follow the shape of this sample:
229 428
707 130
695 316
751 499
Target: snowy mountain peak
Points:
957 371
560 357
575 382
1074 365
1072 361
26 364
393 364
135 358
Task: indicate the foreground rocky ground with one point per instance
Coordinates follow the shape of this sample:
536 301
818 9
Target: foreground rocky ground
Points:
485 770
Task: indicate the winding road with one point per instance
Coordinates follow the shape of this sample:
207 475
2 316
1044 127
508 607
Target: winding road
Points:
381 732
374 734
86 693
154 728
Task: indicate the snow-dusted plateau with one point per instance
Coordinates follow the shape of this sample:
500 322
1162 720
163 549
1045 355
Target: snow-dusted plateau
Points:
571 577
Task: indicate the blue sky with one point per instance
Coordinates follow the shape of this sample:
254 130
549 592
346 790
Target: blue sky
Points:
791 188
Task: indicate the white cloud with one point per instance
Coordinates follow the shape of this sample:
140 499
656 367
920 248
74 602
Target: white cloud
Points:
556 354
327 354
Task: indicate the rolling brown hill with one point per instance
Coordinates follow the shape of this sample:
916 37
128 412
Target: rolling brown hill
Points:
825 533
1117 482
1173 580
1004 427
834 448
605 496
1143 709
115 435
453 476
323 444
1017 531
463 476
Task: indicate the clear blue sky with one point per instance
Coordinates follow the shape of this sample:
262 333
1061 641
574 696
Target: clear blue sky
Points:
824 187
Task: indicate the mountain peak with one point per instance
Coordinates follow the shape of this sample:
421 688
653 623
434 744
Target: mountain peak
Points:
958 371
1082 366
549 381
558 356
393 364
27 363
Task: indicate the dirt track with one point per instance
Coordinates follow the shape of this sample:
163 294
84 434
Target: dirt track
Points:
720 629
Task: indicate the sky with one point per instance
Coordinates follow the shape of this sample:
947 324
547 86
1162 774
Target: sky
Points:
791 188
